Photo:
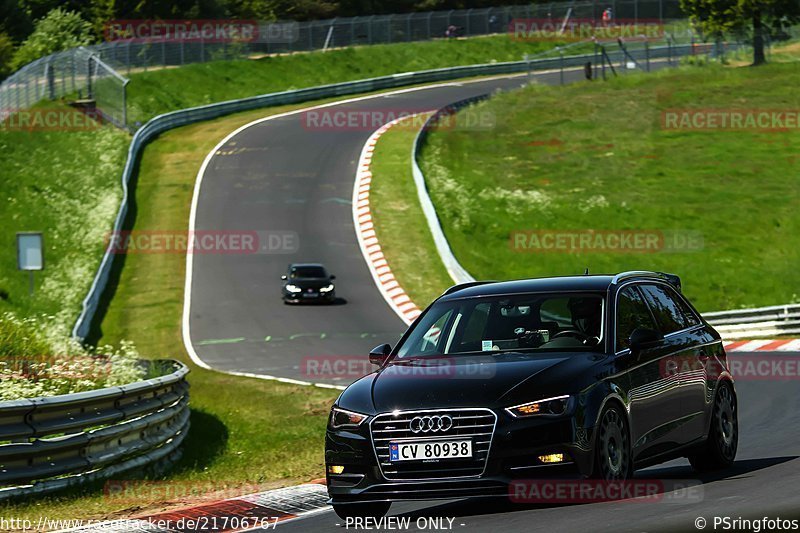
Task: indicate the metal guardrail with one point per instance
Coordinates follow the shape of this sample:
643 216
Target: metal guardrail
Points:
175 119
50 443
457 272
757 322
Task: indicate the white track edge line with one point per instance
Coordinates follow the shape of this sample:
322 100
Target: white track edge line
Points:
187 294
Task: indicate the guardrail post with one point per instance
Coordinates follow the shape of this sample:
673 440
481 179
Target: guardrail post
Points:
125 103
50 80
89 92
603 56
647 54
428 20
669 51
561 63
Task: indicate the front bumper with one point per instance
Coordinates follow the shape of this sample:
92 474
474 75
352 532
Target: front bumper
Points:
513 455
299 298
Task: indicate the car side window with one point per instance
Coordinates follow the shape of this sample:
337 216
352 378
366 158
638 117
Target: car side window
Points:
665 308
632 313
430 340
691 317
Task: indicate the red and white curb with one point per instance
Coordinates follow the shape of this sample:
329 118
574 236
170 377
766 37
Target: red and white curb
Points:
387 284
263 510
764 345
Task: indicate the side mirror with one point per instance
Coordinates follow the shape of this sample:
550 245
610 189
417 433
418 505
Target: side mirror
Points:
379 354
644 338
333 277
284 277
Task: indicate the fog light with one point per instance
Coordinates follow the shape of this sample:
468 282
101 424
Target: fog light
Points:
552 458
335 469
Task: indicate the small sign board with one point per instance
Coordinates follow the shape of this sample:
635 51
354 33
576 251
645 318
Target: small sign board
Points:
30 251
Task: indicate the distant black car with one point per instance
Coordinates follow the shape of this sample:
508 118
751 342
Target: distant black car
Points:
591 376
308 282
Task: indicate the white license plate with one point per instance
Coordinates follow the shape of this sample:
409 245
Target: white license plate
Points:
424 450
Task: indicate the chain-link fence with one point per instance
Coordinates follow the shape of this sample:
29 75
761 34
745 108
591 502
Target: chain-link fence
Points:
96 72
280 38
78 74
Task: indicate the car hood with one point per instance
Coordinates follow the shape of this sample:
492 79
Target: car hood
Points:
483 381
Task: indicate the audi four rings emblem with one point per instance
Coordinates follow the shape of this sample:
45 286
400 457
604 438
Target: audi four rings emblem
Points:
431 424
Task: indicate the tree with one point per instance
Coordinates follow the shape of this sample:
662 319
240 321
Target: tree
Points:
718 17
58 30
6 55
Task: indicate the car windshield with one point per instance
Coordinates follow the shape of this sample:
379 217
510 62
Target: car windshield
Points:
308 272
518 323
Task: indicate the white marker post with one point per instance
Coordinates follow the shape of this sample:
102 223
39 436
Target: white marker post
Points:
30 254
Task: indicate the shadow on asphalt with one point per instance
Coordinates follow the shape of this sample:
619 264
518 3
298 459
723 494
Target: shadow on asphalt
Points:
487 506
336 301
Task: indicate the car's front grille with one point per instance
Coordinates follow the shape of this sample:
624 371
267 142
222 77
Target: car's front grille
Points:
475 424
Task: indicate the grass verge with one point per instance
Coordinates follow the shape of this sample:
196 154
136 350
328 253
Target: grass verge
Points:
237 442
159 91
580 157
400 224
66 185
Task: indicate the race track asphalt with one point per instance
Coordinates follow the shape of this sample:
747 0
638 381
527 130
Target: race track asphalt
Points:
763 482
287 176
283 176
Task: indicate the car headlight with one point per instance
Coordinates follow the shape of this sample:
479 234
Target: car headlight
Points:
341 418
329 288
293 288
555 406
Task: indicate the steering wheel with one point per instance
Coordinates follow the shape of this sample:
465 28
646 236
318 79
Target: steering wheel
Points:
572 333
528 339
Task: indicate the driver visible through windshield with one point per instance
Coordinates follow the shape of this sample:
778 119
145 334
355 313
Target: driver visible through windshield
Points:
519 323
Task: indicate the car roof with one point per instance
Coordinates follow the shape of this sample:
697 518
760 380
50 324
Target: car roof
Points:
587 283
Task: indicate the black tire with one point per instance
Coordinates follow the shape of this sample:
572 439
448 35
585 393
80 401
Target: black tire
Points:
367 510
612 455
719 450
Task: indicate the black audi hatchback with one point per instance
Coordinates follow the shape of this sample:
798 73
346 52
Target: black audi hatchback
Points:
308 282
585 376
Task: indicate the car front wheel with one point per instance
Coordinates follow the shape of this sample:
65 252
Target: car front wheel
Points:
365 510
613 447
